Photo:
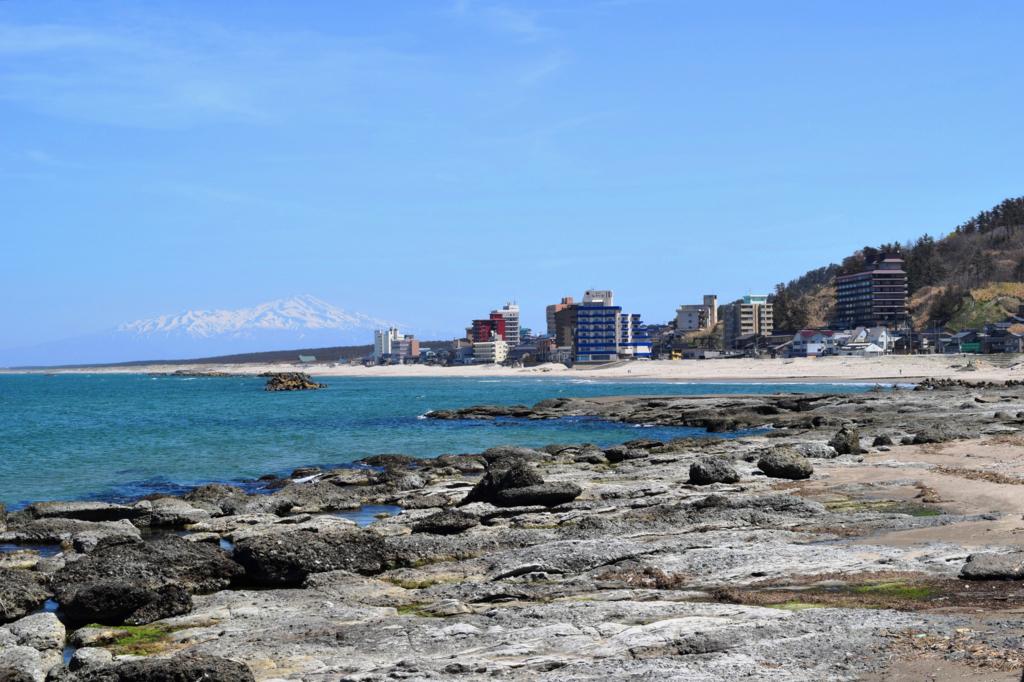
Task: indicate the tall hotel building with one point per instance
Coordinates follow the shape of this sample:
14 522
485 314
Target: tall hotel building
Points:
876 297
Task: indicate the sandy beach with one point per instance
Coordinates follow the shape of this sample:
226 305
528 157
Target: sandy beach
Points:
893 368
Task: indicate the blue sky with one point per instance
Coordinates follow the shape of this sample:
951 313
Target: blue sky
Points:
426 161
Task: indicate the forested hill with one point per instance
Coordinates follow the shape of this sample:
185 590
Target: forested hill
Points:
970 277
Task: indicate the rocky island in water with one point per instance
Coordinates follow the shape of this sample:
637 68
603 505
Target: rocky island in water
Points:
859 536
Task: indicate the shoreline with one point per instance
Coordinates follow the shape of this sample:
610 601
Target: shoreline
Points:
888 369
857 520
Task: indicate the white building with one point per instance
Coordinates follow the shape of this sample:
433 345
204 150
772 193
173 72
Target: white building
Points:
493 352
510 311
384 341
691 318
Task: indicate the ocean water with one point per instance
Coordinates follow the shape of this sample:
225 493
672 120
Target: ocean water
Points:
116 437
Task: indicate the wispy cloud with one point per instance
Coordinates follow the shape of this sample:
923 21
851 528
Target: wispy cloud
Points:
158 79
503 18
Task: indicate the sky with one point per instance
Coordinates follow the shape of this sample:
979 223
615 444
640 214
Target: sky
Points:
427 161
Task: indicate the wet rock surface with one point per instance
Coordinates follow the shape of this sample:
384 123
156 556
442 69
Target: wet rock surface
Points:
21 593
679 559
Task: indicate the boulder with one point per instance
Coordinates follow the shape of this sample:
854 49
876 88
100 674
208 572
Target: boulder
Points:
713 470
846 441
151 572
112 602
30 647
935 434
590 456
991 566
90 657
882 440
3 517
399 479
783 464
218 499
21 593
187 667
446 522
42 631
544 494
291 381
502 475
20 663
286 558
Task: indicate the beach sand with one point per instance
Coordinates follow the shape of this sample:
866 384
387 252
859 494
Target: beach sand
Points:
893 368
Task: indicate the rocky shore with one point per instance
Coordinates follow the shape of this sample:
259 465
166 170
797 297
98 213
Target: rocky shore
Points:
860 536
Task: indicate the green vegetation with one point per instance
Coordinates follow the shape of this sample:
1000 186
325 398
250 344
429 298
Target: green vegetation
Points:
966 279
882 506
138 640
895 590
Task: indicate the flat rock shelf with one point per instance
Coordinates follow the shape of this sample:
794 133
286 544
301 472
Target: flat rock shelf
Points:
857 536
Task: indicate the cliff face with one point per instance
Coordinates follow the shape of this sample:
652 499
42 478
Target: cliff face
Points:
967 278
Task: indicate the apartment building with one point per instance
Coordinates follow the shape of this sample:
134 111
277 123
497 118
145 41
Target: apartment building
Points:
877 296
485 330
490 352
510 313
691 318
552 311
750 317
604 333
383 342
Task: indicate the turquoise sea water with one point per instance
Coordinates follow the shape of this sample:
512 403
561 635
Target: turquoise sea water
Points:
122 436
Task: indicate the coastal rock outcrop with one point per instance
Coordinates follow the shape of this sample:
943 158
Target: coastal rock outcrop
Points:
84 535
291 381
83 511
188 667
713 470
30 647
286 558
123 601
846 441
218 499
21 593
511 482
992 566
446 522
160 571
785 464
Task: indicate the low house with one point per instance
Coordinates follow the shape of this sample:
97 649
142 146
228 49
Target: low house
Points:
863 349
878 336
966 341
1003 337
813 343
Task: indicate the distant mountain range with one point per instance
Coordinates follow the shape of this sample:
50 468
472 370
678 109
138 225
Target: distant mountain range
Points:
296 322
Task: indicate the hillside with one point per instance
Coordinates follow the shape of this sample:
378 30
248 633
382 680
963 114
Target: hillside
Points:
968 278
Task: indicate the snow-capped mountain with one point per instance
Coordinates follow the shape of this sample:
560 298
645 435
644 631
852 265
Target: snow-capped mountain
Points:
287 323
297 314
